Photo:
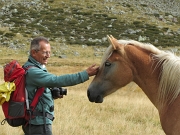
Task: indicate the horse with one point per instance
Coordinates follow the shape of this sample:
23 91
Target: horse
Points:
155 71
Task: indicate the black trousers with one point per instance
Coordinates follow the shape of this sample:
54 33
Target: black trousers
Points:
37 129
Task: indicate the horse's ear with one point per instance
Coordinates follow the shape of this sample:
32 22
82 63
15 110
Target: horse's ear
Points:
113 41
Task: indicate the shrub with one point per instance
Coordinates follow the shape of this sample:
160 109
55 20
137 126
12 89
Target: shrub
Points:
156 15
144 5
9 35
1 32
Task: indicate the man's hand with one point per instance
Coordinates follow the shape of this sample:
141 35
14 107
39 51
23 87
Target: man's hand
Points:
92 70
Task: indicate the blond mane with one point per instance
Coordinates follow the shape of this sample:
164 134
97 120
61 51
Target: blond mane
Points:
169 86
146 46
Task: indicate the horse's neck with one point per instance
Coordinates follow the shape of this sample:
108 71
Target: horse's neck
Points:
144 74
147 77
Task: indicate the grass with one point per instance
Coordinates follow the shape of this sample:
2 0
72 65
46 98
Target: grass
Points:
126 112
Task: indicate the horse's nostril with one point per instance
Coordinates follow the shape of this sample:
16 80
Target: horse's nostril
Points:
99 99
94 98
89 96
88 93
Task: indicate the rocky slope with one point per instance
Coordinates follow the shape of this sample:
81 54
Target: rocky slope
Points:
88 22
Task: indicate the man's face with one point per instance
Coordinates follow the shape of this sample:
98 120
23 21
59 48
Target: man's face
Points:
43 53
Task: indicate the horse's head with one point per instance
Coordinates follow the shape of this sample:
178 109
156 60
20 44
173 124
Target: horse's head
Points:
115 72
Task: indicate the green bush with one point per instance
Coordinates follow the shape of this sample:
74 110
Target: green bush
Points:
1 32
156 15
9 35
144 5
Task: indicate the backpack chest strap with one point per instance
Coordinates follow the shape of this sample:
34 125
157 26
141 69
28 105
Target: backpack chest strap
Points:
47 115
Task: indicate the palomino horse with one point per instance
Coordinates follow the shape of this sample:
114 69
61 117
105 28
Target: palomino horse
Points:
156 72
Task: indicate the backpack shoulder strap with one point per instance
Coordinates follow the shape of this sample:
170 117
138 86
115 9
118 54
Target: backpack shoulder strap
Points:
37 95
36 98
26 93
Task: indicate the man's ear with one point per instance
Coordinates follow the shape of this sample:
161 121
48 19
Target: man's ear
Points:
33 52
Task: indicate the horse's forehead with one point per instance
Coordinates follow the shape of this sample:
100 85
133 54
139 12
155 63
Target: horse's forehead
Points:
110 51
107 53
115 55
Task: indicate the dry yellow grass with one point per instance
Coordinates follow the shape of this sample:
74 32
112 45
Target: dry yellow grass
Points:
126 112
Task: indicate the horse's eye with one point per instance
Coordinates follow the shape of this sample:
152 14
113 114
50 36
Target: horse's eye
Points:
107 63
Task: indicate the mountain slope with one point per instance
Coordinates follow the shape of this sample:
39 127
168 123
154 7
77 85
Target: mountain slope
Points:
88 22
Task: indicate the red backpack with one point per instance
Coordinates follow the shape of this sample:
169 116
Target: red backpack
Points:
17 110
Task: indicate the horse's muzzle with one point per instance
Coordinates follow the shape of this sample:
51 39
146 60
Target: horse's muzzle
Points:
94 98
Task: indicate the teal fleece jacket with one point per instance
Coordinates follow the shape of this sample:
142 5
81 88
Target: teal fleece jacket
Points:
37 76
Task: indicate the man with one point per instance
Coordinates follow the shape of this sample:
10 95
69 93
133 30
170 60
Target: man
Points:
37 76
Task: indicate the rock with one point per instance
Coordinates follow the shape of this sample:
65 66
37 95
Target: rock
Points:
63 56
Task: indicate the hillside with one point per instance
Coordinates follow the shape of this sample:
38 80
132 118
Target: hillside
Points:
86 22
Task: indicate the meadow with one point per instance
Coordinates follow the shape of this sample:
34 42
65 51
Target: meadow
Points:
126 112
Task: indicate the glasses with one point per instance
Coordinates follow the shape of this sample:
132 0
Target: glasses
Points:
44 52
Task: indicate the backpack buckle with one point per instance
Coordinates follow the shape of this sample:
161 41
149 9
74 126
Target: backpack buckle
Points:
3 122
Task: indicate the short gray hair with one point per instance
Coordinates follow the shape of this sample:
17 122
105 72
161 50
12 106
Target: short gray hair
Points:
35 43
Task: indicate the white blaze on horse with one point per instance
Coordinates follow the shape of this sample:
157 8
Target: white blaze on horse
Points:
156 72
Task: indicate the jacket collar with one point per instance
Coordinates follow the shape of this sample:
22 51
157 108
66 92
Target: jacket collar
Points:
34 62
